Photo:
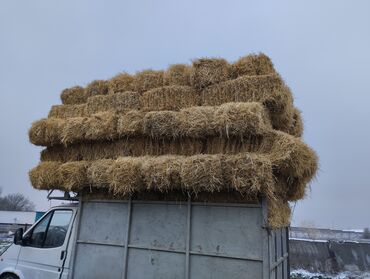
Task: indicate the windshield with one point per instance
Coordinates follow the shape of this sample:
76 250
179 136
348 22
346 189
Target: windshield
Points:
4 244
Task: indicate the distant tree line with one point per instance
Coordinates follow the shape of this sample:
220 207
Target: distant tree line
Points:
15 202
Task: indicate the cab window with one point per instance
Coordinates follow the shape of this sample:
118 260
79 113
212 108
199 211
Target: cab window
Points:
51 231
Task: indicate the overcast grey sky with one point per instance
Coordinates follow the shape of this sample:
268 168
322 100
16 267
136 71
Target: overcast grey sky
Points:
321 48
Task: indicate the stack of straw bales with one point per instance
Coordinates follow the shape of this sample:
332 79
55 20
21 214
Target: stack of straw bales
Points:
212 127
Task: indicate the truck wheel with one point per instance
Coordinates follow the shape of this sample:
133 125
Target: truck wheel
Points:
9 276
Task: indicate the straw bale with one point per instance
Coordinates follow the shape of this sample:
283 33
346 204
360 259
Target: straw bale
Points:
232 119
249 174
137 146
73 175
125 176
130 123
74 95
197 122
292 155
202 173
97 87
245 89
147 79
46 131
172 97
120 83
161 124
118 102
162 173
240 119
101 126
67 111
208 71
177 74
268 90
98 173
279 213
73 130
296 128
45 176
232 145
252 65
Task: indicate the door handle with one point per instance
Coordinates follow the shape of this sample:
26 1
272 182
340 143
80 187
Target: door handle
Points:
62 254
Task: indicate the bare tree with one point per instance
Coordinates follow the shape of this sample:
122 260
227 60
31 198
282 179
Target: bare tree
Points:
16 202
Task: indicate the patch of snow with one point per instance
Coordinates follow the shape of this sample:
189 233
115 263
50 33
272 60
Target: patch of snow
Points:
342 275
307 239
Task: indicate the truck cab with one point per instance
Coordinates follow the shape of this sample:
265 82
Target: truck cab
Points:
44 250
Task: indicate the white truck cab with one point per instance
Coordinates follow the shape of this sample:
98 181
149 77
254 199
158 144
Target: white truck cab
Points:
44 250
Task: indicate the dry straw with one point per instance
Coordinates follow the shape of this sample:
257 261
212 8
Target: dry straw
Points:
135 146
97 87
68 111
74 95
147 79
121 83
231 119
172 97
268 90
191 174
296 128
46 132
178 74
125 176
208 71
279 213
98 173
252 65
118 102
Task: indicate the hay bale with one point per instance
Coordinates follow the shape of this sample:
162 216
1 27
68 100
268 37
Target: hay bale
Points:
232 145
121 83
177 74
118 102
161 124
45 176
249 174
241 119
101 126
73 130
296 129
125 176
172 97
248 89
147 79
136 146
67 111
208 71
98 173
130 123
74 95
73 175
197 122
202 173
46 132
162 173
252 65
293 159
279 213
97 87
268 90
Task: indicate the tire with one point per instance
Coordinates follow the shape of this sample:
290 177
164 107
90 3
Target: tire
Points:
9 276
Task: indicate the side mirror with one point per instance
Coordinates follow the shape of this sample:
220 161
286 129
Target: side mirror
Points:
18 236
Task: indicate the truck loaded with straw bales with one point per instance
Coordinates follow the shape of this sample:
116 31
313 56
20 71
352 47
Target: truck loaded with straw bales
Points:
182 173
